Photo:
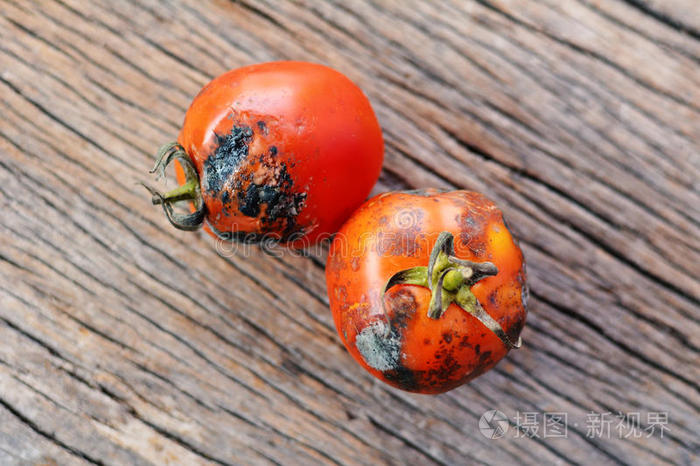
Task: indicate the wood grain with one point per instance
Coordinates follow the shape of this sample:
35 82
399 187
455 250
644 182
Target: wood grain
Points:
123 341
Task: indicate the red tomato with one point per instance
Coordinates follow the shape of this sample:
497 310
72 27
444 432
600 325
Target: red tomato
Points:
283 150
427 288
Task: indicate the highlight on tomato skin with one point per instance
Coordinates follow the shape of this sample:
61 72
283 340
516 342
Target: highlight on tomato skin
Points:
281 151
427 289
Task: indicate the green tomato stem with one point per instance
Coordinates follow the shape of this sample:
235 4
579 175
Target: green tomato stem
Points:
453 280
190 190
187 191
450 280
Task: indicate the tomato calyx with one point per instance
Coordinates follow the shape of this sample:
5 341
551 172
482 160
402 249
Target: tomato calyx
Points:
450 280
190 190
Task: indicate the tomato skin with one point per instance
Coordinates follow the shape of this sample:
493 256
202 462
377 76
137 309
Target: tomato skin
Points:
397 231
284 149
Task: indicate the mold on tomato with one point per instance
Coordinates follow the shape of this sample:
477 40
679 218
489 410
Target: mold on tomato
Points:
259 186
379 346
230 150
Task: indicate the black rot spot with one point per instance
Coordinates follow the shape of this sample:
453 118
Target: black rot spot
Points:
485 356
249 201
231 150
229 172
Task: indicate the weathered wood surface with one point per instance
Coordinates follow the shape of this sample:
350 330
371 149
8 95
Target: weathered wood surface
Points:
123 341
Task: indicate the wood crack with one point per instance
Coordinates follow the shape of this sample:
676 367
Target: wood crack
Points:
586 52
48 435
669 21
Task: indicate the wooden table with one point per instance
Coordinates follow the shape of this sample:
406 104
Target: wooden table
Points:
124 341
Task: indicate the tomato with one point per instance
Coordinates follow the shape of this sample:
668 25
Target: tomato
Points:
283 150
427 289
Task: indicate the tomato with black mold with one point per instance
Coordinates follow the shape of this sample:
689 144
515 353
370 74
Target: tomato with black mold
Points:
282 150
427 288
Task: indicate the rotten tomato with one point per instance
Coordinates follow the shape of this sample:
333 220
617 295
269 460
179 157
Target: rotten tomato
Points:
427 289
283 150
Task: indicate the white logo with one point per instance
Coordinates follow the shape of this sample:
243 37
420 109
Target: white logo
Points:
493 424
